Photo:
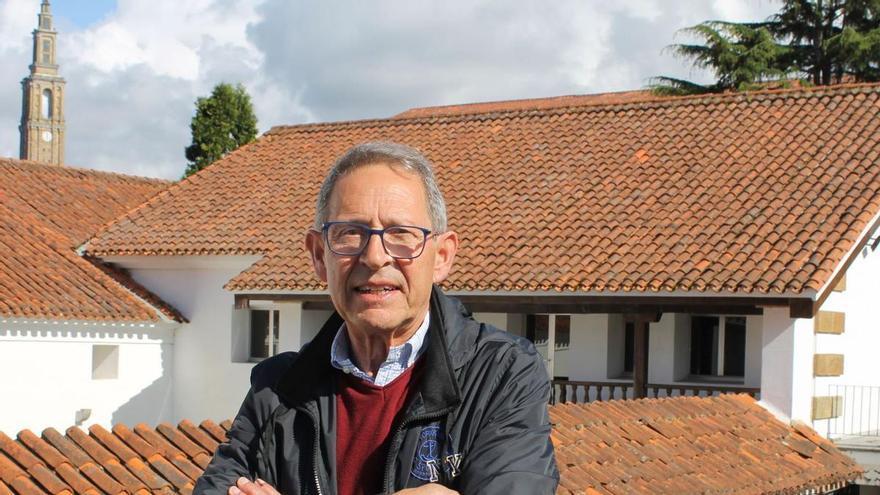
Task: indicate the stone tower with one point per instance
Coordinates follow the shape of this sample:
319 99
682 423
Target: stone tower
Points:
42 105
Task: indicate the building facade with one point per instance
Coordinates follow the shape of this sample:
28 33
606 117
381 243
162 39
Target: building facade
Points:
649 248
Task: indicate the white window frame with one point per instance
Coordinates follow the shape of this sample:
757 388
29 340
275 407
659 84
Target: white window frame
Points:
273 310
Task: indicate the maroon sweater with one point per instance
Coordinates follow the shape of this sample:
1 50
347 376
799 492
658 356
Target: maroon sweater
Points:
365 415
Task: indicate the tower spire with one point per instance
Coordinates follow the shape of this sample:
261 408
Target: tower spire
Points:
45 16
42 107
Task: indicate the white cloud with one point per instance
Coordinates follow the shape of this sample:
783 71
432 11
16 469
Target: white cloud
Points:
133 77
17 19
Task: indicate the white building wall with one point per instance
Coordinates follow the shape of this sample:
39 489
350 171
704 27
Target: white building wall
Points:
312 322
754 341
787 364
860 383
861 340
47 370
212 372
586 356
498 320
207 383
662 350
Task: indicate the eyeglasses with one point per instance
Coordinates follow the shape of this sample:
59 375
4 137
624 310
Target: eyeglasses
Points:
351 238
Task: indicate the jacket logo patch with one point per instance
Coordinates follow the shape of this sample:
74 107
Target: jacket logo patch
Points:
426 461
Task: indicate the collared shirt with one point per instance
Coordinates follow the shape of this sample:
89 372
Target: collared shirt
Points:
399 358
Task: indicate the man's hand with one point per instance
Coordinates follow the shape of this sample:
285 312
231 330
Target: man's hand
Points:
429 489
259 487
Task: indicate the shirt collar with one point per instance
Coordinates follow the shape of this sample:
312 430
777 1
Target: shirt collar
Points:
399 359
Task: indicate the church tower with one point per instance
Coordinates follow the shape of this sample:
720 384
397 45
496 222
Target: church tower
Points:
42 106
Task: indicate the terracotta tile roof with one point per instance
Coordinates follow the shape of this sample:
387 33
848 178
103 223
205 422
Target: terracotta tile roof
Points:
726 444
530 104
46 211
747 193
140 461
690 445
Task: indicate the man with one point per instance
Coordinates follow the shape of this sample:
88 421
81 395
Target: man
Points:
401 390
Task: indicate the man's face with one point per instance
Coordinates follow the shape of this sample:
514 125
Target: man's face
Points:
381 196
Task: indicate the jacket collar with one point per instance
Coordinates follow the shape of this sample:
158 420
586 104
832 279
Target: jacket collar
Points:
311 375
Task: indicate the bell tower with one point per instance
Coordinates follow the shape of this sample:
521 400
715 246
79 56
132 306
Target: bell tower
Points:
42 105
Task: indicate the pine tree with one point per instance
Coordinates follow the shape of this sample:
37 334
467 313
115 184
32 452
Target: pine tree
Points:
223 122
740 55
822 41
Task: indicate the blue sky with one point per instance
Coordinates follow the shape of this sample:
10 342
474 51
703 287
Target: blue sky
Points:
83 13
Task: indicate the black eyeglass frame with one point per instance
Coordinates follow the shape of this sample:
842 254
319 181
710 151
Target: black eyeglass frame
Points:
325 228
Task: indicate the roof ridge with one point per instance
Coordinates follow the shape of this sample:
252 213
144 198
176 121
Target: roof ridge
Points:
587 99
70 169
393 121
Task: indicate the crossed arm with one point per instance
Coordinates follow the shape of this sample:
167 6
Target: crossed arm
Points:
245 486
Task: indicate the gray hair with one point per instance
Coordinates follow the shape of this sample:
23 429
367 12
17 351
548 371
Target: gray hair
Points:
393 154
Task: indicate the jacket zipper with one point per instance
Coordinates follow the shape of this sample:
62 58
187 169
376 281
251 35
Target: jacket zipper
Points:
395 446
316 455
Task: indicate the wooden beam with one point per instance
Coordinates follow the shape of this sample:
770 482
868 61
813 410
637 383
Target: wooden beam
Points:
573 304
801 308
310 301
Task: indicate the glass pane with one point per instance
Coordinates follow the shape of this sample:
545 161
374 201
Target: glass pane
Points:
628 346
563 330
259 333
734 346
346 237
536 328
275 332
704 345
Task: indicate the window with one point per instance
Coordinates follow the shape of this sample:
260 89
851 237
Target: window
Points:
718 345
628 346
46 104
47 51
105 362
264 333
537 329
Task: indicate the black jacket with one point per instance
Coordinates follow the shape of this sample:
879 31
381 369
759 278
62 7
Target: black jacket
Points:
478 422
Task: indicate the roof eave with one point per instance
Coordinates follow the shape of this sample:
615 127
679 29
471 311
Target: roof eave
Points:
799 305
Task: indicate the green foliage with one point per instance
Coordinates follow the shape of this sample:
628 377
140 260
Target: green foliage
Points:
223 122
739 54
824 41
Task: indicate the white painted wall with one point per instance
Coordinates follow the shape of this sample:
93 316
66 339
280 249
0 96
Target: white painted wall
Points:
498 320
587 355
207 383
860 383
47 370
787 364
312 322
662 350
682 352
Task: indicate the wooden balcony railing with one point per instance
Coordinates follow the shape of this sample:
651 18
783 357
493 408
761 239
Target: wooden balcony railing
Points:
573 391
